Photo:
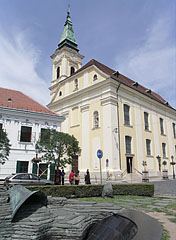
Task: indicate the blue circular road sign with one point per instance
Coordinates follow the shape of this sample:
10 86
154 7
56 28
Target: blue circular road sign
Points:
99 153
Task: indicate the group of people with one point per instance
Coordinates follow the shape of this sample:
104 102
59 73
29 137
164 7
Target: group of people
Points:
74 178
59 177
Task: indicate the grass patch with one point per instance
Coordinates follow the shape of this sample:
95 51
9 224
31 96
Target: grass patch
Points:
165 235
172 220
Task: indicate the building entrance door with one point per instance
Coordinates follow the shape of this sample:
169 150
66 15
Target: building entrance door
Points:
129 161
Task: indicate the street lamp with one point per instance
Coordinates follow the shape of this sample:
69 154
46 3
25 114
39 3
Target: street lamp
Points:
173 163
159 162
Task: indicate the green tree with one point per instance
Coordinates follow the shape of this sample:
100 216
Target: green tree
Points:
57 147
4 146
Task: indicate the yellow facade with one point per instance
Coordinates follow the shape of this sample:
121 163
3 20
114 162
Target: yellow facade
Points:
93 100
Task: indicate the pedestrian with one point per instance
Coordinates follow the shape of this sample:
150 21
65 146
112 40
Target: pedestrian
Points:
62 176
87 177
77 178
71 178
58 177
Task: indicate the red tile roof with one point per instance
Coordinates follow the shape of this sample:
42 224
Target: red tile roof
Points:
124 80
17 100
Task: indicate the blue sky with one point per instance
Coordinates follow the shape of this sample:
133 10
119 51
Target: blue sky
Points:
135 37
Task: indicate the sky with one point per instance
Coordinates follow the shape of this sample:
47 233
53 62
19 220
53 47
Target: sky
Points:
135 37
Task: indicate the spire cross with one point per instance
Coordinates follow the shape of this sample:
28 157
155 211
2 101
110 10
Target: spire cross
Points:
68 9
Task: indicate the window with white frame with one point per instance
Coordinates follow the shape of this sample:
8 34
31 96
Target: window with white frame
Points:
174 129
72 70
162 126
148 147
128 144
146 121
26 134
96 119
126 114
58 72
95 77
164 149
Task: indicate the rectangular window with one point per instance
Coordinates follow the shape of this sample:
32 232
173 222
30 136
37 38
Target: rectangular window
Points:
162 126
0 125
126 114
164 149
26 134
174 129
148 147
22 167
45 134
146 121
128 144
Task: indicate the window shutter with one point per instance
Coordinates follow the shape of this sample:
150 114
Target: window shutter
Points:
52 168
34 168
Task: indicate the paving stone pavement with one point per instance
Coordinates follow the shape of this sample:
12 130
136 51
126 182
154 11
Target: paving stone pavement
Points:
165 187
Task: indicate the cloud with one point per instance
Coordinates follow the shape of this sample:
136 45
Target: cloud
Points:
153 63
18 66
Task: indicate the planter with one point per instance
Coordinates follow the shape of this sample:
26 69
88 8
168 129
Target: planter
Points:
145 176
165 174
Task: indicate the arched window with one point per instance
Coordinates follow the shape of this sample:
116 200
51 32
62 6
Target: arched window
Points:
60 93
76 84
58 72
96 119
95 77
72 70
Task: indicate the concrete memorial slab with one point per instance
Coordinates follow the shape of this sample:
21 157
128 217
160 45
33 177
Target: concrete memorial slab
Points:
72 219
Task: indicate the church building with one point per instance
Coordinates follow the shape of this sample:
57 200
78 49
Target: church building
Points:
103 109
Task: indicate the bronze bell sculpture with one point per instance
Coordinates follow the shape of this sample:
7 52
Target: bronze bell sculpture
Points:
19 195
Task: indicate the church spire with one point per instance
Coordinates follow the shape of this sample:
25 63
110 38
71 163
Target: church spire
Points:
68 38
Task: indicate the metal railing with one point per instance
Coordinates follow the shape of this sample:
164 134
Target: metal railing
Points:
138 171
123 173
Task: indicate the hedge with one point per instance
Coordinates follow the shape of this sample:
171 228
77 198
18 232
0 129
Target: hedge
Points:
70 191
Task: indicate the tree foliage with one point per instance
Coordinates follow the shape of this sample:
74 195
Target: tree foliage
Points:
4 146
57 147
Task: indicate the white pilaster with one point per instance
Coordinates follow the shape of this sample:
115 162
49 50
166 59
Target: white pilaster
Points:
85 163
110 134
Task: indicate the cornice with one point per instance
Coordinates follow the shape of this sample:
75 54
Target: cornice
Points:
29 114
85 108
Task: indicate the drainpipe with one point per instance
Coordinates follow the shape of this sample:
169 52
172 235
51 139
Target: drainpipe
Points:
117 90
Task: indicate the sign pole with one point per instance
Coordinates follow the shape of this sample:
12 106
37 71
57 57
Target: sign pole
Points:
100 171
100 155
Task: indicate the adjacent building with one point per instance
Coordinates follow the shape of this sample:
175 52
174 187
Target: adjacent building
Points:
105 110
24 119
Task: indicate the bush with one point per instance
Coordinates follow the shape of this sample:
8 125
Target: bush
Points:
70 191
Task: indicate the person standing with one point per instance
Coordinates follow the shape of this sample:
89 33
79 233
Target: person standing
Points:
87 177
71 178
77 178
62 176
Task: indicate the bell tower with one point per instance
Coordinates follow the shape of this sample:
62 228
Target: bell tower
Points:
66 58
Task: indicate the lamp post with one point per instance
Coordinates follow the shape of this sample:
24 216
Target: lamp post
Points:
173 163
159 162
